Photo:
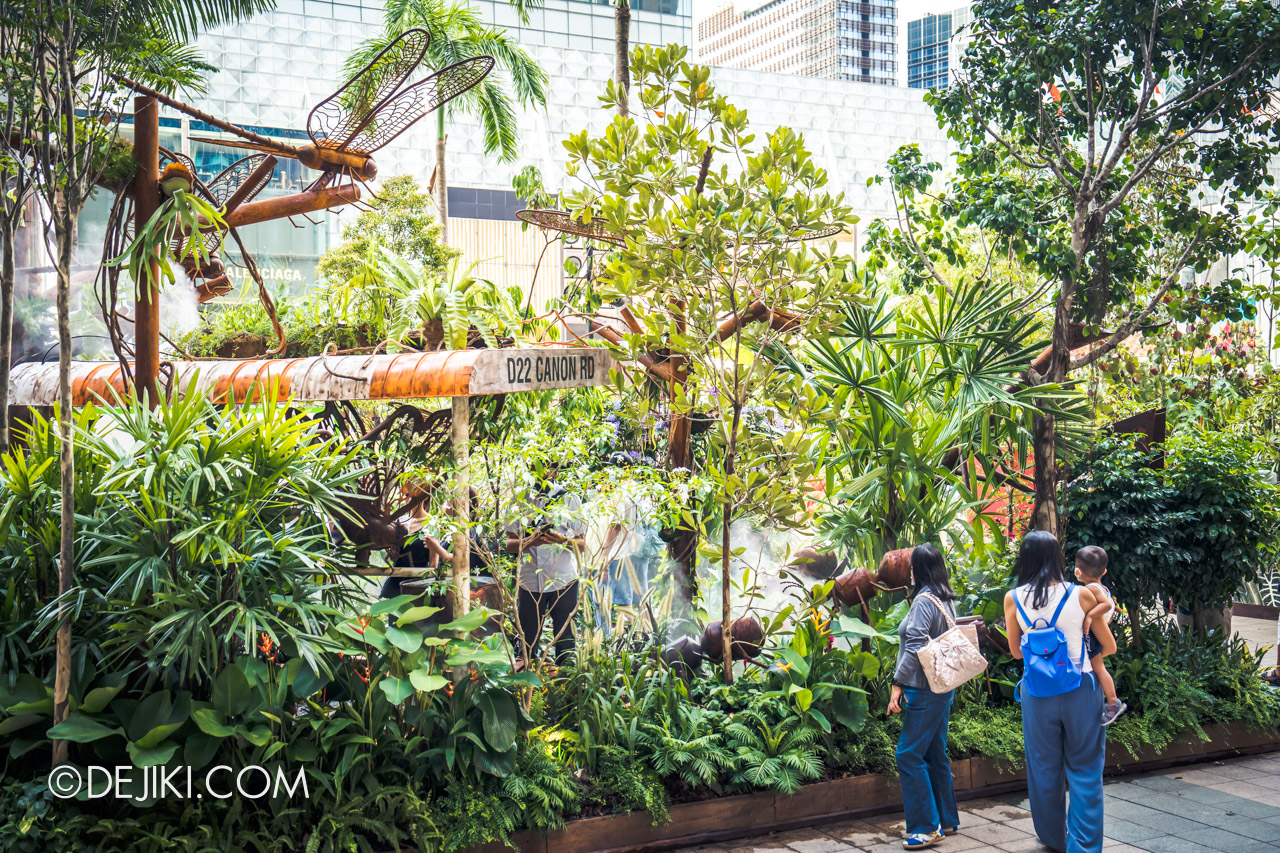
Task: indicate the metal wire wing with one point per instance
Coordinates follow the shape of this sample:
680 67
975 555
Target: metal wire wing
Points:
558 220
226 182
335 120
394 115
167 157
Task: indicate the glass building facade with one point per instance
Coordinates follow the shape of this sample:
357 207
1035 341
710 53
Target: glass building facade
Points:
831 39
935 44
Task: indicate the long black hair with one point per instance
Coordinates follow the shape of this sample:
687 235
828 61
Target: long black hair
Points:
929 572
1040 565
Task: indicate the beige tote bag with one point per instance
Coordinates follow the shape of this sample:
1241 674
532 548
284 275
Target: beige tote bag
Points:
951 658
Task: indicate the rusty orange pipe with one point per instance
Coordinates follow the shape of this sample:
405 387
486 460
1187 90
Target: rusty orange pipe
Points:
292 205
402 376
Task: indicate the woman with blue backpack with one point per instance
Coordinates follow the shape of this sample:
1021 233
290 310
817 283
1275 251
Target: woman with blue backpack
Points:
1061 699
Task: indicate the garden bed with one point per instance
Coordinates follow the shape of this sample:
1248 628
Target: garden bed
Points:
841 799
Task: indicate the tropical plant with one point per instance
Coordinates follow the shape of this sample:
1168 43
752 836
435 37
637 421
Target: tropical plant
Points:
1080 130
1194 531
923 416
398 219
774 757
67 84
458 33
453 300
721 244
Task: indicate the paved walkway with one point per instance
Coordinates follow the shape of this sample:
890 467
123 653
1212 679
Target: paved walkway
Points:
1219 807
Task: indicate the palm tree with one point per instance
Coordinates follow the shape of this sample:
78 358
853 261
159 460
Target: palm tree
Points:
458 33
621 52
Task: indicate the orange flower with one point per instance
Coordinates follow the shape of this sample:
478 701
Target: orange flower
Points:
266 645
364 623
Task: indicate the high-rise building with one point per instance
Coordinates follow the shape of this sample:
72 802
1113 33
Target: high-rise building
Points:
935 44
832 39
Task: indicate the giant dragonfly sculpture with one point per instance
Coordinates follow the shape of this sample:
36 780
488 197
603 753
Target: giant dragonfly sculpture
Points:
346 128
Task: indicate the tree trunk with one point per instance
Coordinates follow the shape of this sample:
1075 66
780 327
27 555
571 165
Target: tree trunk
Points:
1045 515
65 232
461 506
8 272
441 181
726 590
726 547
622 52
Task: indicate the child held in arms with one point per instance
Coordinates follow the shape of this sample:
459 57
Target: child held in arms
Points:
1091 565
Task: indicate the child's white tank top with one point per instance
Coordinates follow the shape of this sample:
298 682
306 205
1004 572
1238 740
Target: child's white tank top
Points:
1070 621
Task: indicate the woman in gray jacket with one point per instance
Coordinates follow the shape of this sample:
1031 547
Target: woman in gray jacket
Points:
928 797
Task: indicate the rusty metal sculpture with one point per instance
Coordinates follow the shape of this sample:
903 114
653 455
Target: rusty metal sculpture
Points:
370 111
346 128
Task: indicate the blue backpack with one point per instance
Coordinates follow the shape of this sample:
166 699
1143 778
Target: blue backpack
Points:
1047 668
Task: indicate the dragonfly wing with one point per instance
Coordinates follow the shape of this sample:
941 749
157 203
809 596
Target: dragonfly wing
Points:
338 117
230 179
394 116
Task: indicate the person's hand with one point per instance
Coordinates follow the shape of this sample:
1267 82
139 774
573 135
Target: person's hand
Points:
1088 623
895 703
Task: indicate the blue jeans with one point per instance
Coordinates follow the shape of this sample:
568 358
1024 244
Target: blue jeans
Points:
1066 746
924 771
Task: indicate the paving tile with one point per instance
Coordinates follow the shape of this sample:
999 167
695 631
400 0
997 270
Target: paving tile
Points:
1173 844
960 843
1218 839
994 833
1030 844
859 833
891 847
971 819
894 824
995 811
1157 783
1123 810
1209 796
759 844
1026 824
813 841
1235 771
1258 830
1130 833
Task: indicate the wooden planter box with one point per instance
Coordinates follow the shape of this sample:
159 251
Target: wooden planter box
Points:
726 818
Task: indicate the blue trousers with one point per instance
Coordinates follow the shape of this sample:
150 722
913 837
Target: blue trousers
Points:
924 771
1066 746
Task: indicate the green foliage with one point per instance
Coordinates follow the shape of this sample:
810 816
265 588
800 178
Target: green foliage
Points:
621 785
180 214
774 757
399 219
984 728
1178 680
1195 531
910 387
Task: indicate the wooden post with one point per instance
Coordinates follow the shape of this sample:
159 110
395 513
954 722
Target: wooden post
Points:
146 198
460 437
